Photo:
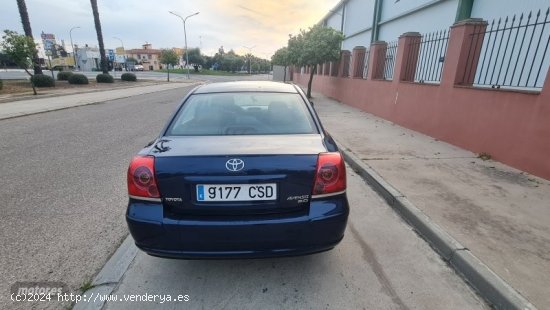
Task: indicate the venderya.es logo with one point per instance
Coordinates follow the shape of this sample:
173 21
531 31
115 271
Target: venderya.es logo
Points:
234 164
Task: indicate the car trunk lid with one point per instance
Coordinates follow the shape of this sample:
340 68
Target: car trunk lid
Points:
284 164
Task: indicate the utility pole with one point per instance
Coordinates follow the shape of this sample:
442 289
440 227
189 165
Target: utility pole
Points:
183 20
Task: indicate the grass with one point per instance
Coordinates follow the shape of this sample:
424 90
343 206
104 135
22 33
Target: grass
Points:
484 156
202 72
23 87
86 286
16 86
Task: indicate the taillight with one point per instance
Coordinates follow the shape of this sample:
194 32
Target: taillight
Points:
330 177
141 178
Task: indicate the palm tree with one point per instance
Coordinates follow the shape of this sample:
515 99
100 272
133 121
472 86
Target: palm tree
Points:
99 37
28 32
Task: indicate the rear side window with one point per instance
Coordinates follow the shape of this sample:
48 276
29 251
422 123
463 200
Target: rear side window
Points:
242 114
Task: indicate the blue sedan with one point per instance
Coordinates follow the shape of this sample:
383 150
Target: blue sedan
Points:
241 170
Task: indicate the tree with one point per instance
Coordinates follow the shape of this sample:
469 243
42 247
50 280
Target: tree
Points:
20 49
168 57
281 58
103 62
195 58
318 45
28 32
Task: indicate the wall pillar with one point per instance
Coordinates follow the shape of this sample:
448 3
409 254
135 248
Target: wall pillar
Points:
463 52
344 63
358 62
326 68
406 57
334 65
377 60
545 91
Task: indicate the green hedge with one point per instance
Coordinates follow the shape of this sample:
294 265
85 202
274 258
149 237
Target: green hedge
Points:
128 77
64 75
41 80
78 79
104 78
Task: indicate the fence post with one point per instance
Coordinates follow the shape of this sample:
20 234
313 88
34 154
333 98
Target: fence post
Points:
463 51
334 65
358 61
406 57
343 63
377 60
545 91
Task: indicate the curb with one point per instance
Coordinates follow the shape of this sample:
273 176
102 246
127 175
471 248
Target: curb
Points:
109 276
87 103
487 283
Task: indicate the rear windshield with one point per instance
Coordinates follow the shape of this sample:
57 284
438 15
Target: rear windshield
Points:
242 114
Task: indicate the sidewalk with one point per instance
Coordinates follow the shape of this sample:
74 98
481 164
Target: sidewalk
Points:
499 214
63 100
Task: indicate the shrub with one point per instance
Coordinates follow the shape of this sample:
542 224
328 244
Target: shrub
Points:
128 77
78 79
1 84
64 75
104 78
41 80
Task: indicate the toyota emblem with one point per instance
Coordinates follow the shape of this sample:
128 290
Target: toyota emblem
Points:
234 164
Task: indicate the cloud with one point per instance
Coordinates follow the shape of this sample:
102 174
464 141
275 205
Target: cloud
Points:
231 23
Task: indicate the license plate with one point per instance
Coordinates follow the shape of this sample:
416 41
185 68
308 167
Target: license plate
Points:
236 192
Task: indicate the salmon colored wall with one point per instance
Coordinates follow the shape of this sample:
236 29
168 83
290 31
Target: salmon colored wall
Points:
514 127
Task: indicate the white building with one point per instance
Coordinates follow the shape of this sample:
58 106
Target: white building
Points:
366 21
87 58
502 59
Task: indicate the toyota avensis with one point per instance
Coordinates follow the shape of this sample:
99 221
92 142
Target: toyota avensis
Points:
242 169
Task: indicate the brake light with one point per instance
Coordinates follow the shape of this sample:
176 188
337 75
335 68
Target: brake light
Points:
141 178
330 177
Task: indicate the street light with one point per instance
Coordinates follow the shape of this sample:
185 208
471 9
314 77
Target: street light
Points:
185 35
249 57
72 45
123 52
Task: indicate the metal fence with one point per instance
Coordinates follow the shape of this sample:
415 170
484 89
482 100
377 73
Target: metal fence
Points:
514 52
389 61
430 50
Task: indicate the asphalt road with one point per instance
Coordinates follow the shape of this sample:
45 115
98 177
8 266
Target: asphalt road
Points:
63 187
63 199
380 264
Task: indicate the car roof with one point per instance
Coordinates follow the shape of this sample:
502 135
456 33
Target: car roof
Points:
246 86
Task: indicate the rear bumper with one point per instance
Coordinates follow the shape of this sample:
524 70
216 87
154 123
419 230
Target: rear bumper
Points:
232 237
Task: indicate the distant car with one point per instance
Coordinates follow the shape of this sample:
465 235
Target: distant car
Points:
242 169
138 67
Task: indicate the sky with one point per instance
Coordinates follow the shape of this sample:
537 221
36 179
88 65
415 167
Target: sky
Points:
262 25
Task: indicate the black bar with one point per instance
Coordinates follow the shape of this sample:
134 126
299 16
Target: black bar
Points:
537 48
429 56
512 52
543 54
528 50
498 52
492 51
486 50
520 48
505 50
